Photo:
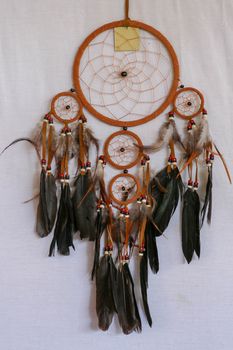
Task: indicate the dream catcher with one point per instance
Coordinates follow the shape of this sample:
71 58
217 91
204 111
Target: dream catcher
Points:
125 74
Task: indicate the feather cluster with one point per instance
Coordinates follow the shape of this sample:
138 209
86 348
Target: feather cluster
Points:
84 206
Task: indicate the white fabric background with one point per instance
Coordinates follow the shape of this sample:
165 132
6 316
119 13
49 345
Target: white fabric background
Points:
48 303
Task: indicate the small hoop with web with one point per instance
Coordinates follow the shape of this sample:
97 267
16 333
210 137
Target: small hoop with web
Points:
66 107
123 149
188 103
124 189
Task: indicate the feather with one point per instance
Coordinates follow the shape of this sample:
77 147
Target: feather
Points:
105 292
190 224
42 224
151 246
99 181
167 132
23 139
90 139
144 286
197 245
63 232
51 199
100 225
203 137
84 204
47 206
207 207
61 148
166 201
127 308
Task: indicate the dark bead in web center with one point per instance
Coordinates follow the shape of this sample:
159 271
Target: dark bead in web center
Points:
189 103
122 149
124 74
67 107
123 188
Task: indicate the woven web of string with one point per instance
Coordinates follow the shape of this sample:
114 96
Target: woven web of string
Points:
122 149
188 103
135 96
124 188
66 107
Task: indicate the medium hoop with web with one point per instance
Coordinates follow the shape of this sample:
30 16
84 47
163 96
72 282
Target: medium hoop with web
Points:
188 103
122 149
126 88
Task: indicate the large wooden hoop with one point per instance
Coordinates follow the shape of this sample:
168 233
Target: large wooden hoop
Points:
198 112
133 198
53 109
134 24
137 157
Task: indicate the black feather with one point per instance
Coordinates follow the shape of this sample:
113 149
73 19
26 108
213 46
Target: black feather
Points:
190 224
105 292
51 199
144 286
167 199
42 224
84 204
99 229
207 207
47 207
23 139
197 245
63 232
151 246
127 308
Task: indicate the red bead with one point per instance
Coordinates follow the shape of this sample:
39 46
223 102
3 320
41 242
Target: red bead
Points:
204 112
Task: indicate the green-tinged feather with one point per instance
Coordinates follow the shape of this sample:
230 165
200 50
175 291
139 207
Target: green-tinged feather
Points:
84 204
51 199
144 286
166 189
190 224
151 246
207 207
42 224
63 232
127 309
105 292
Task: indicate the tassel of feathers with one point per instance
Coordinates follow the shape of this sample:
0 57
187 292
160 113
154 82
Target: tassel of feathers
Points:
191 221
47 206
63 232
166 188
84 198
106 290
167 132
128 314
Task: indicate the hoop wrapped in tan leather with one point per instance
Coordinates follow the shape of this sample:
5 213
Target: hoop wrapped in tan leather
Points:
53 110
128 201
175 110
137 157
134 24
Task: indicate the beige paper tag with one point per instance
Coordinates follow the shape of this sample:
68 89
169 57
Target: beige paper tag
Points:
127 39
